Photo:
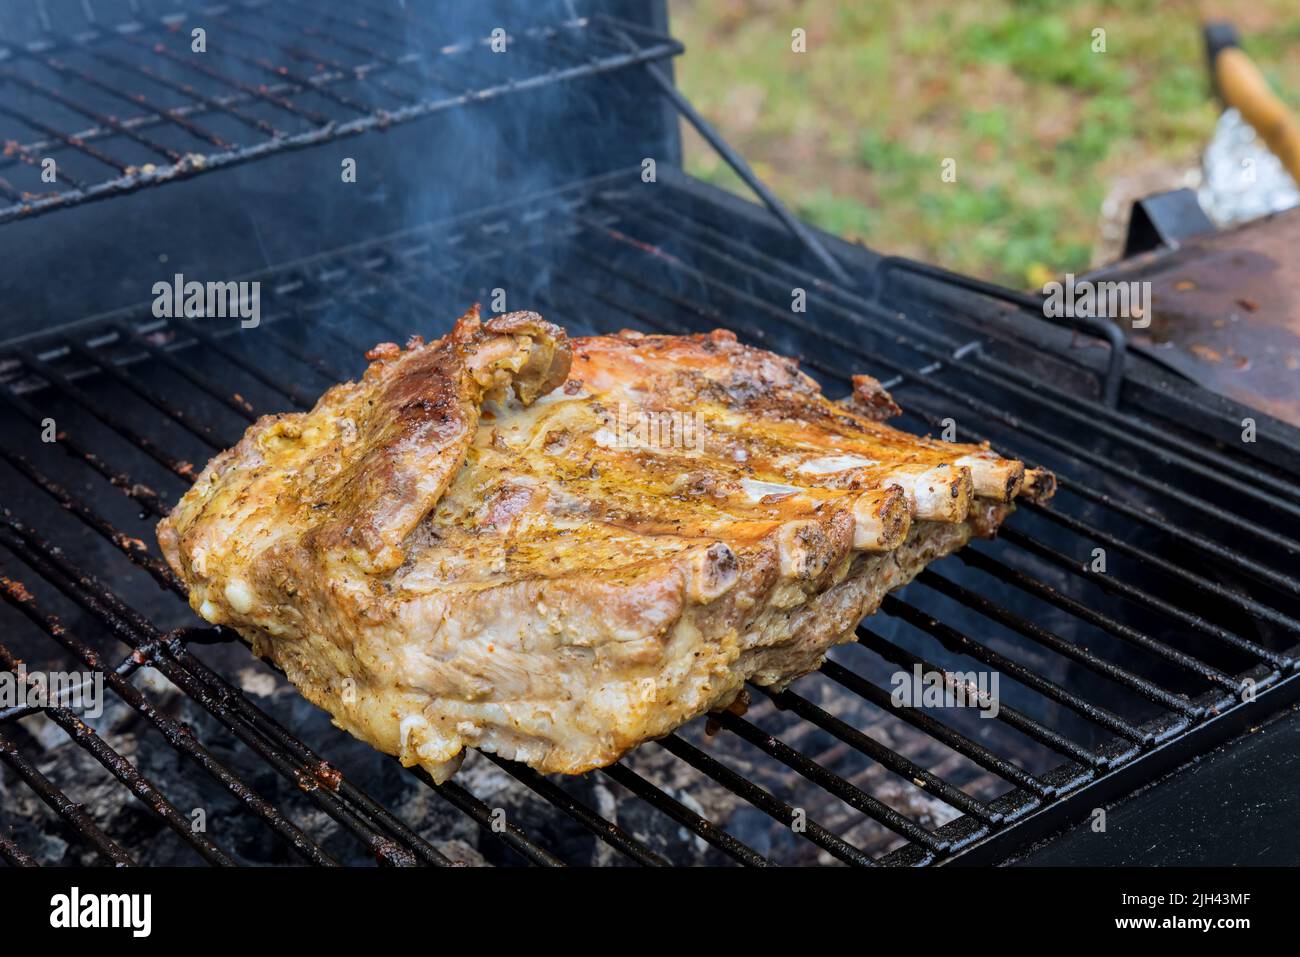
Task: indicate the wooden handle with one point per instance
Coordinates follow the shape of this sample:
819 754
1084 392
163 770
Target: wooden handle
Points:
1242 86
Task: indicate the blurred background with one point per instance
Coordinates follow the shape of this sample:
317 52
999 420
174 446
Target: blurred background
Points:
1052 140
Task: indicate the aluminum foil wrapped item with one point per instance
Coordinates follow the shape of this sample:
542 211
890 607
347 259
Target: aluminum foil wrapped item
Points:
1243 179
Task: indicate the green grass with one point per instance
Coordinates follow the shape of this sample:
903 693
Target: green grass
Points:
853 132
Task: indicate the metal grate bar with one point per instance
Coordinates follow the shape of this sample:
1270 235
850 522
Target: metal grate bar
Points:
133 385
126 667
107 122
146 497
697 825
133 548
122 768
179 115
1138 596
236 403
882 755
954 640
1265 573
511 835
1040 635
290 392
14 855
8 192
1012 717
848 793
67 388
1078 609
176 735
1230 519
283 74
972 750
64 806
1197 582
76 143
610 833
1143 555
309 765
762 799
265 94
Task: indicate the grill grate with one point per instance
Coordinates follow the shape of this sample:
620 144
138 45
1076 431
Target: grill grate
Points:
1105 673
122 104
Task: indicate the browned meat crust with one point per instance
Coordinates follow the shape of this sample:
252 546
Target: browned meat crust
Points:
870 400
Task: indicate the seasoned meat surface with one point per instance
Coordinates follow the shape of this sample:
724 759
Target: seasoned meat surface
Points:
556 549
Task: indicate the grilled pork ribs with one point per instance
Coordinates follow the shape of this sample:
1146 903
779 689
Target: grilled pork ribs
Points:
555 549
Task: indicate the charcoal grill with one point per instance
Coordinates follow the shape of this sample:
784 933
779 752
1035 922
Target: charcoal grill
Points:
1109 678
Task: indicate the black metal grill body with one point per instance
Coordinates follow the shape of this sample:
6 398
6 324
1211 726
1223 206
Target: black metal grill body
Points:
1108 679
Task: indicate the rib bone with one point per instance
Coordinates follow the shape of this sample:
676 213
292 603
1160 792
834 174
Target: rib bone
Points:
881 519
941 493
993 476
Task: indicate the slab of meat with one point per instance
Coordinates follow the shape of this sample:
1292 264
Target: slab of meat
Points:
556 549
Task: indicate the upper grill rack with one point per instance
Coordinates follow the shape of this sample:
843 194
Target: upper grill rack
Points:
122 104
1106 673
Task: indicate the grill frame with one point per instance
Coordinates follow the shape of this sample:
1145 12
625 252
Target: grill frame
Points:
1022 814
